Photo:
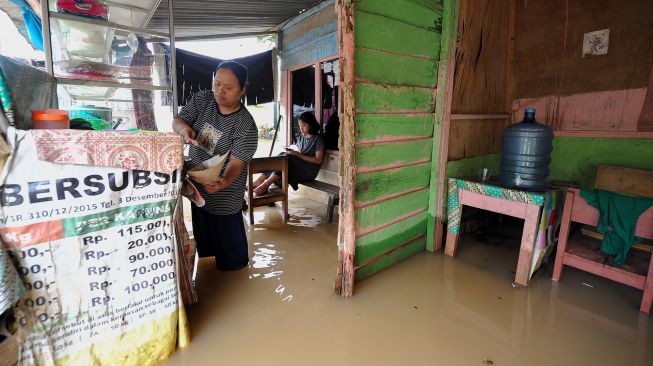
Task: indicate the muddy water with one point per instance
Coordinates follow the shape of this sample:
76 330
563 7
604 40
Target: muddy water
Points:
428 310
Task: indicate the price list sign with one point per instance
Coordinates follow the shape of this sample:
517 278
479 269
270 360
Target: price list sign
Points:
95 249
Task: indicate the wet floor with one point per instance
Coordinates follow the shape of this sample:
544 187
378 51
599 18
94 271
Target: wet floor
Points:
427 310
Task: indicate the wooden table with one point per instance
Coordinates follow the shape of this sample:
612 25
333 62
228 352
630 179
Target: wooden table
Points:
269 164
538 209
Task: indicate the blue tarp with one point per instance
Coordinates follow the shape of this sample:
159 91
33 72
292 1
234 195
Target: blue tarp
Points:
32 23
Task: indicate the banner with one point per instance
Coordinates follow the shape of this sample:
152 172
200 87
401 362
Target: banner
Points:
95 248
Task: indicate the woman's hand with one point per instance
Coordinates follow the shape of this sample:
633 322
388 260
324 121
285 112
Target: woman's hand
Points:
188 134
317 159
217 185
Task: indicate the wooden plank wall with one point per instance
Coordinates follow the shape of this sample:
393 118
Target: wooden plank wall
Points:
306 39
579 95
397 51
482 79
310 37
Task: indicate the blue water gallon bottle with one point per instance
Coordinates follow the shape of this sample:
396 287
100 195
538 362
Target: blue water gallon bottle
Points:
526 154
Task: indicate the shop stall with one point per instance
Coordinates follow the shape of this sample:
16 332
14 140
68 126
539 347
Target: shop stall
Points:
90 199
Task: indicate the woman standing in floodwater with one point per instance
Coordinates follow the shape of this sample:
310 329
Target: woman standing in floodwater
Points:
215 123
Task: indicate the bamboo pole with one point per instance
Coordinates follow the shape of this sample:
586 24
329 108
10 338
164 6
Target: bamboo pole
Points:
173 58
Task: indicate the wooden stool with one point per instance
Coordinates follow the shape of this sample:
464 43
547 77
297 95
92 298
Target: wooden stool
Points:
261 165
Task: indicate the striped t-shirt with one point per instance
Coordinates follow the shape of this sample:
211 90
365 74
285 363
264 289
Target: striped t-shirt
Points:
218 134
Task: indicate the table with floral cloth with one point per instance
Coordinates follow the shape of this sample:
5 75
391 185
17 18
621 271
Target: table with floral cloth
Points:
540 211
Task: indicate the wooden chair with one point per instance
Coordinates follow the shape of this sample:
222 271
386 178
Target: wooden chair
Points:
638 270
260 165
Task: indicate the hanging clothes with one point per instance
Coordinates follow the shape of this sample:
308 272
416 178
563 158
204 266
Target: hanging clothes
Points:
618 219
143 99
6 102
31 89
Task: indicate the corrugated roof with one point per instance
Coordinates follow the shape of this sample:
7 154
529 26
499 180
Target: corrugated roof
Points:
224 17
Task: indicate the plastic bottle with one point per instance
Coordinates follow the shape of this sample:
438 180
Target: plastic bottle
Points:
526 154
50 119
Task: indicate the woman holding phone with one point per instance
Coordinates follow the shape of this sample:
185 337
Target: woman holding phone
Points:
303 163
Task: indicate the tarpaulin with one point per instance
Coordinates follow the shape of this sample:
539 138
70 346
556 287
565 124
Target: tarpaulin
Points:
195 73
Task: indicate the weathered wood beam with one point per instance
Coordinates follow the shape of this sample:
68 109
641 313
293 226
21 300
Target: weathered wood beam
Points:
344 284
479 116
442 116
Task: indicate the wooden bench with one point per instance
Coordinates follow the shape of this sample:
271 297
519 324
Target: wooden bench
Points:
325 188
332 192
583 254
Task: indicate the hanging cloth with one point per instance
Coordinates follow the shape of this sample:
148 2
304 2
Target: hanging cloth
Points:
31 89
6 102
195 73
32 23
617 221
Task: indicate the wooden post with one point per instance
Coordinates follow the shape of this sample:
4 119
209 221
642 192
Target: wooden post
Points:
344 283
527 248
289 112
318 92
647 299
442 116
284 188
563 237
512 13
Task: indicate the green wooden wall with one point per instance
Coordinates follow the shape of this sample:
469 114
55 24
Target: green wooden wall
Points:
573 159
397 52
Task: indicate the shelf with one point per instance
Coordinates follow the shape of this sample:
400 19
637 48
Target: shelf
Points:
109 84
79 48
96 99
104 23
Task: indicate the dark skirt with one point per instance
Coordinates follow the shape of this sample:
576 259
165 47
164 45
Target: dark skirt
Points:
222 237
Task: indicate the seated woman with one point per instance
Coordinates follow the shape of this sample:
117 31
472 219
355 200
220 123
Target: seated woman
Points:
303 165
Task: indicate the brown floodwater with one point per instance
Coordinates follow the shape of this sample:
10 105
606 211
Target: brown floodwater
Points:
427 310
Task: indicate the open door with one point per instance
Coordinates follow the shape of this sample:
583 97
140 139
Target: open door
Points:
393 58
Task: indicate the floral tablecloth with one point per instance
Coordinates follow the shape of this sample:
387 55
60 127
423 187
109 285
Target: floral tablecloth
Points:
152 151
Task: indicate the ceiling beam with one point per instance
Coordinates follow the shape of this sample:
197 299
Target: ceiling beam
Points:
211 37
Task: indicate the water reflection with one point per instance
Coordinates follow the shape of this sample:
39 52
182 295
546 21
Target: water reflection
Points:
309 221
267 259
427 310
